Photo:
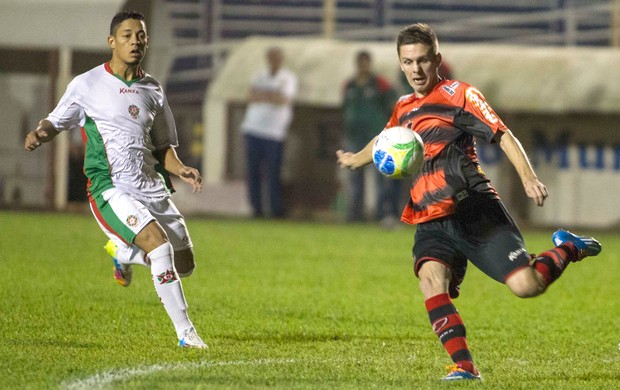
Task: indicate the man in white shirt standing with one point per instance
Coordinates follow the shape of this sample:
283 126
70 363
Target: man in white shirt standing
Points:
265 126
129 138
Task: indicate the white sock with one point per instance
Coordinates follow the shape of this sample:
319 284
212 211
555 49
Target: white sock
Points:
169 288
130 254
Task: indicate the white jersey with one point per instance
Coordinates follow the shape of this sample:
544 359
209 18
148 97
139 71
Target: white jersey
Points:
123 123
268 120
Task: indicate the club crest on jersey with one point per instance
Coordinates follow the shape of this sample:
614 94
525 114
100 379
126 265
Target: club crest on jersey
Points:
134 111
166 277
132 221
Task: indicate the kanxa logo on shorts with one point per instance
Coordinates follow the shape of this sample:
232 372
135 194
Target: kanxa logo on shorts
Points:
166 277
134 111
132 221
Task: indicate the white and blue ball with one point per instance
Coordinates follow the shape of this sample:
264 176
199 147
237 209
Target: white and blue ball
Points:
398 152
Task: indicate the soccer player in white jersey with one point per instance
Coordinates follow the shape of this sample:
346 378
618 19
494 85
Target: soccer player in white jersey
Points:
129 138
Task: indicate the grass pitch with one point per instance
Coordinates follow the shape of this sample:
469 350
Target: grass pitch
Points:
288 305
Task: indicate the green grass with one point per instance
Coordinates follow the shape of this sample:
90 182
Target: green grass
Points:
288 305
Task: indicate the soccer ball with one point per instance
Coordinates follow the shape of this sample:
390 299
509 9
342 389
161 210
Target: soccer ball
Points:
398 152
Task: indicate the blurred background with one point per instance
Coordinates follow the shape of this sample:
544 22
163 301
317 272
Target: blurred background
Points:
550 68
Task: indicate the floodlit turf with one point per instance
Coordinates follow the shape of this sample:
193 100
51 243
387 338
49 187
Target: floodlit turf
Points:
288 305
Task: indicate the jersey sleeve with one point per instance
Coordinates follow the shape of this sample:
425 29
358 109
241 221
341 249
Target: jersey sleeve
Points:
164 131
68 114
478 117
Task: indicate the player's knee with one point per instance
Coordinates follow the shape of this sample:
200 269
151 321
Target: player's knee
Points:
161 258
526 291
434 278
431 284
525 284
184 262
151 237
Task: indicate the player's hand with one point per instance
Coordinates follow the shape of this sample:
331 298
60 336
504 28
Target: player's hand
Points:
537 191
35 138
345 159
192 177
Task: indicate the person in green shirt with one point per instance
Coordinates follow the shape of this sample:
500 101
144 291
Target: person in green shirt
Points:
367 104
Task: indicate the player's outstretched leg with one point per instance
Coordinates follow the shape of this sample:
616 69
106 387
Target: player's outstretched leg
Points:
569 248
170 291
122 272
124 257
585 246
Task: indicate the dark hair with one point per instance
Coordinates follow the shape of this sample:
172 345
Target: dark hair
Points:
363 54
121 17
418 33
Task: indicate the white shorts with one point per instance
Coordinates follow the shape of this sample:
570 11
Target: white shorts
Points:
122 216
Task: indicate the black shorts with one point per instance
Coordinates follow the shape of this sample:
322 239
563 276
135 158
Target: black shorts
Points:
481 231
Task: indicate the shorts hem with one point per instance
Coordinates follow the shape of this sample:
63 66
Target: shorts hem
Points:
513 272
423 260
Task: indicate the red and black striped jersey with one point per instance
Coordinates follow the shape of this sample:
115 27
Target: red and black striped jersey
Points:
449 119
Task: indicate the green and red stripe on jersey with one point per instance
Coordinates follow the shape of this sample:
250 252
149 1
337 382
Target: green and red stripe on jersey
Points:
97 171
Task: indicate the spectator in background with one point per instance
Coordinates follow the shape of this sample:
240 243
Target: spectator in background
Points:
367 104
265 126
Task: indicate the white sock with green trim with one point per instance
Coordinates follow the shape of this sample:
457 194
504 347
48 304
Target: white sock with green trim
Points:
169 288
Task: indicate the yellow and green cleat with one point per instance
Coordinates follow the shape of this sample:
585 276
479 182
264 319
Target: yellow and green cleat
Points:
122 272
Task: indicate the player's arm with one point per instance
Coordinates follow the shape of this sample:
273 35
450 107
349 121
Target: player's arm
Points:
170 161
273 97
45 132
284 94
515 153
356 160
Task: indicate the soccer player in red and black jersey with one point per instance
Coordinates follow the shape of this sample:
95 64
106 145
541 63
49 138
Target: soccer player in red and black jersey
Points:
459 215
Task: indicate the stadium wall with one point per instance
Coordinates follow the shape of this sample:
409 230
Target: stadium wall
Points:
561 102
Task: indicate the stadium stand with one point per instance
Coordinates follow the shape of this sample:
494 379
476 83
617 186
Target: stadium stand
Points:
204 30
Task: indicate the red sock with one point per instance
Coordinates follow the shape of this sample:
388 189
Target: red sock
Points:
551 264
448 326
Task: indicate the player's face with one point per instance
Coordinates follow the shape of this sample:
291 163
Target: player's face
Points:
275 58
129 42
420 65
363 65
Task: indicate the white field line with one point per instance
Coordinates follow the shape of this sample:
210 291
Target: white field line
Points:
105 378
